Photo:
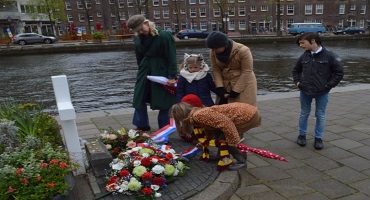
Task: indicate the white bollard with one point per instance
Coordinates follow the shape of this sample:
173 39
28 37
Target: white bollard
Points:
67 116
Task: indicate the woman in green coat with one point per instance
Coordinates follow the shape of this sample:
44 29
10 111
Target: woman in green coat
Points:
156 56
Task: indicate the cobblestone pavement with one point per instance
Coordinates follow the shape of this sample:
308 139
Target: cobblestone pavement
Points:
340 171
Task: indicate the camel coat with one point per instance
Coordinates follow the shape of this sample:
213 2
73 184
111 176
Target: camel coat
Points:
238 75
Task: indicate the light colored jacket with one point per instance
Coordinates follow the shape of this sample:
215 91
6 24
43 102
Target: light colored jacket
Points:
238 75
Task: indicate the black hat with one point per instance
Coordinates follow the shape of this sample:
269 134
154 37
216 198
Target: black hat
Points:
135 22
216 40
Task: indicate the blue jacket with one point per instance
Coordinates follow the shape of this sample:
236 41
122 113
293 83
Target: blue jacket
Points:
202 88
317 74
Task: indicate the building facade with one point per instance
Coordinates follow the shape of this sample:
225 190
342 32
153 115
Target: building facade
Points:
109 16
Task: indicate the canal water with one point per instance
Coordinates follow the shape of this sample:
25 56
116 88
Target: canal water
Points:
105 80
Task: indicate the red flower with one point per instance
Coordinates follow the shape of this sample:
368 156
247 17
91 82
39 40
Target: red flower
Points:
39 178
25 181
158 181
169 156
124 173
54 162
147 191
147 176
19 171
43 165
112 180
50 185
10 189
146 162
63 165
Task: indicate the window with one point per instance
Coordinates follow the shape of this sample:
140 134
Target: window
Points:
130 3
264 8
112 15
281 9
156 14
203 25
289 22
202 12
121 3
202 1
166 25
88 4
241 11
122 15
290 10
69 18
79 5
353 7
155 2
362 23
230 1
232 25
99 14
308 9
216 12
241 0
363 9
192 2
81 17
166 14
97 1
68 6
193 12
242 25
91 18
111 1
342 8
253 8
182 11
164 2
231 11
319 9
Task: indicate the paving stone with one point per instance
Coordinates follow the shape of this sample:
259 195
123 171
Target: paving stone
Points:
250 190
363 151
307 174
356 196
290 187
346 143
322 163
346 174
311 196
269 173
335 153
301 153
356 162
363 186
332 188
266 196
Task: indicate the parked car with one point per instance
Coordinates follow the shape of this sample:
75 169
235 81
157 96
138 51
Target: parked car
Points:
30 38
192 33
350 30
170 31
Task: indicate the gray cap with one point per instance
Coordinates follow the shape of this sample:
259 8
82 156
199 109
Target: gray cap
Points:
135 22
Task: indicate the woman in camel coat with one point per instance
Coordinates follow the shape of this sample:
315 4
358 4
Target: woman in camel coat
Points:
232 65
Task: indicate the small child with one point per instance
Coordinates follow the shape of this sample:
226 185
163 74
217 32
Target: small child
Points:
195 79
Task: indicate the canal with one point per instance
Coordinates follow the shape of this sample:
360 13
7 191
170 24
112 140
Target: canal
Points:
105 80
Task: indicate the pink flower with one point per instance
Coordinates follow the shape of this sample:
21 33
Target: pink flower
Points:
25 181
112 136
39 178
146 135
50 185
10 189
19 171
43 165
63 165
131 144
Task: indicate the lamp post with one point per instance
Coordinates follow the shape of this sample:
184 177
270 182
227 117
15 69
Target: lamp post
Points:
226 22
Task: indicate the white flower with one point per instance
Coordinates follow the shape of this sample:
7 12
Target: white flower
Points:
136 149
118 166
108 146
158 169
155 187
124 186
176 172
132 134
145 155
157 195
154 160
137 163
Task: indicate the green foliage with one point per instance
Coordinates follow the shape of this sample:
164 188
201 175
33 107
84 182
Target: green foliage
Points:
34 173
8 135
52 9
6 2
32 121
98 35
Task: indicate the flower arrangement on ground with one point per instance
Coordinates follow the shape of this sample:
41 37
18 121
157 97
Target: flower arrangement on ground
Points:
144 170
118 141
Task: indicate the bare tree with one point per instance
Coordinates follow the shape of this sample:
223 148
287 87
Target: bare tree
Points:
224 6
87 6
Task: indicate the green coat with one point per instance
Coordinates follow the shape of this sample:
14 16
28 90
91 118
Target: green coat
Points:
158 59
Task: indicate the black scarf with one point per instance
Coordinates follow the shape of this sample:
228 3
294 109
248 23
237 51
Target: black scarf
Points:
145 41
224 56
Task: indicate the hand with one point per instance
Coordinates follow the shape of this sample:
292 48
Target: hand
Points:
233 94
226 95
171 82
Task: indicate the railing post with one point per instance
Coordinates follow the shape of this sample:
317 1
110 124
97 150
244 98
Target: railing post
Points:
67 117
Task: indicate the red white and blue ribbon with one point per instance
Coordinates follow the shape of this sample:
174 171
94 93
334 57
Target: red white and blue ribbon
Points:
162 134
190 152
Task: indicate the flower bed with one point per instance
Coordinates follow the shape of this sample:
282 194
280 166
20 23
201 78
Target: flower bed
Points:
142 168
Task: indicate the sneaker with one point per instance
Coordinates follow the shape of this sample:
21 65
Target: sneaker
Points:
318 144
301 141
236 165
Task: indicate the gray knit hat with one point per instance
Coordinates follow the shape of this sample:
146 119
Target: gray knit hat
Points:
135 22
216 40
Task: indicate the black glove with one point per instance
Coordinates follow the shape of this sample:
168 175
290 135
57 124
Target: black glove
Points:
220 91
233 94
